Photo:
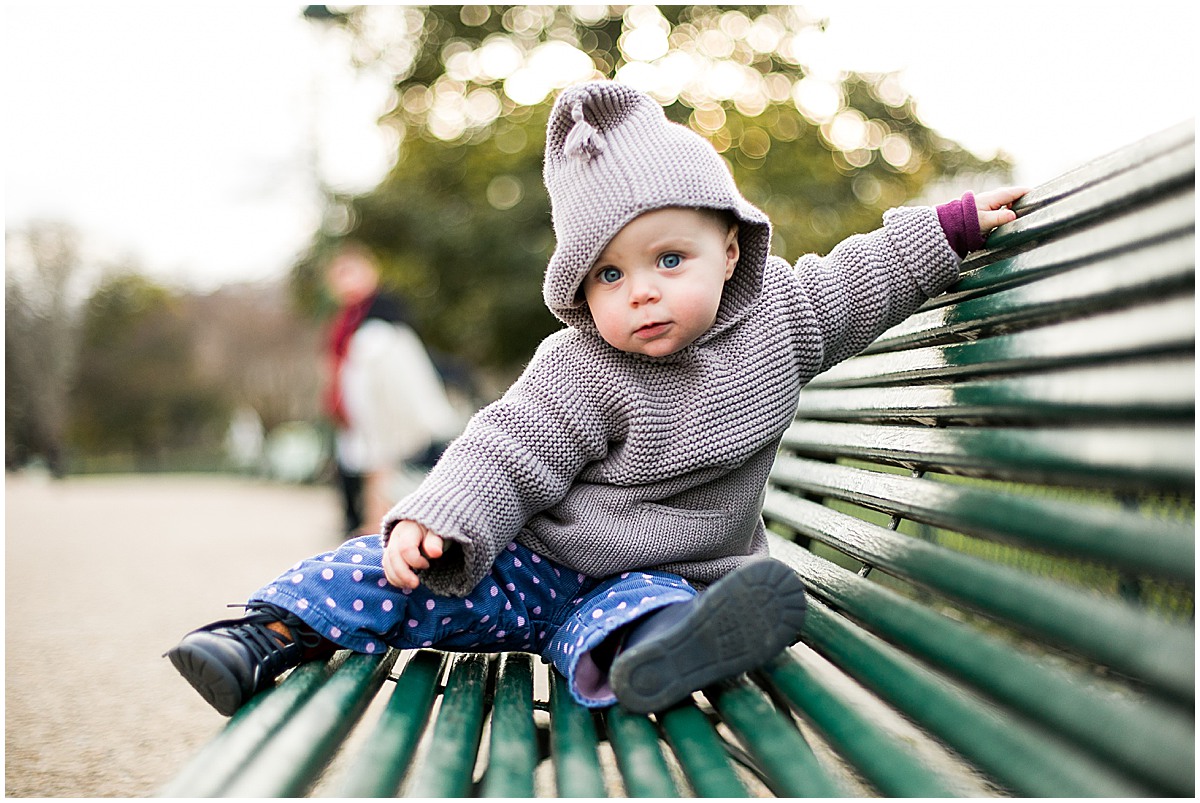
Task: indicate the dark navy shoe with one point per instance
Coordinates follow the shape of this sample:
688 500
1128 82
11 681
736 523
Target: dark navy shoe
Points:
230 661
736 625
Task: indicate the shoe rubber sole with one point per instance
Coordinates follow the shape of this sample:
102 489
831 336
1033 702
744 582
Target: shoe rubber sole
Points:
738 624
208 676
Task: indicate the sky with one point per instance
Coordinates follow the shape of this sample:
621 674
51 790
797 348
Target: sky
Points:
189 142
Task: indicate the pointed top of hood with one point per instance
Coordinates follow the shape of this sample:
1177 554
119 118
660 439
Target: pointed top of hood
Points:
612 154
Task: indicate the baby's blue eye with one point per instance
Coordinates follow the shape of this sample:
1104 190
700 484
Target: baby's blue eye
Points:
669 261
608 275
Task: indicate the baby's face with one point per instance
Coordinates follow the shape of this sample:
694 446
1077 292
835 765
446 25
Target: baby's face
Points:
657 285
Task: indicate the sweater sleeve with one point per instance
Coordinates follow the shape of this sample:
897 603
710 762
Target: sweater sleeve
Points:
870 282
516 457
960 222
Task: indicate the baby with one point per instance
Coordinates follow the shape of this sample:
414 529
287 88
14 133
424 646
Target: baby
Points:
606 511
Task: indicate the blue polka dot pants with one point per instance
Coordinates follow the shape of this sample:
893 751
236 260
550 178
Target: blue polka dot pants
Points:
526 603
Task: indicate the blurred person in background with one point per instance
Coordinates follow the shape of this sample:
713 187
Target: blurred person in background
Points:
375 358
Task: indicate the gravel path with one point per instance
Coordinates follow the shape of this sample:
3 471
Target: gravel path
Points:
102 575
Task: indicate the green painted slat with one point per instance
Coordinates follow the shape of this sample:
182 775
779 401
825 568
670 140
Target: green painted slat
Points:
772 739
1148 331
297 753
1154 177
1147 737
1111 632
877 755
1164 218
448 766
1154 458
1104 534
639 757
513 749
1157 391
1154 391
384 759
573 744
254 723
700 752
1027 761
1117 281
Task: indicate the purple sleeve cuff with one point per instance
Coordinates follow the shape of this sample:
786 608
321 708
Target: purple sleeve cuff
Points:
960 222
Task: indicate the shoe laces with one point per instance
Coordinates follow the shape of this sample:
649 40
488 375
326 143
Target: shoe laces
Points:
272 650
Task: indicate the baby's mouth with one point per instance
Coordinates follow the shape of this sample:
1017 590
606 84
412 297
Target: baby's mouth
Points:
653 329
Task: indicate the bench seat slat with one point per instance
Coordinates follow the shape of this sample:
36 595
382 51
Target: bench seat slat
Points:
295 756
782 754
1148 391
211 770
1149 458
449 764
513 750
886 764
639 756
701 753
1154 330
383 761
1142 734
1114 633
573 744
1166 218
1116 537
1114 282
1023 758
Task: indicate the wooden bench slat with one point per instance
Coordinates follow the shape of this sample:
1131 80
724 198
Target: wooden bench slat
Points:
1115 537
1027 760
207 774
1139 733
785 759
1155 391
380 766
1149 458
886 764
1115 282
294 757
449 764
635 743
1155 176
1163 219
573 744
701 753
513 747
1112 632
1155 330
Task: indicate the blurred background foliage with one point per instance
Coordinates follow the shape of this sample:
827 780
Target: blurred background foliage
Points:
462 218
115 365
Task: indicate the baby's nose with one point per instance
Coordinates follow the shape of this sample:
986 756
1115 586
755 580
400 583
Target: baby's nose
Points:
643 290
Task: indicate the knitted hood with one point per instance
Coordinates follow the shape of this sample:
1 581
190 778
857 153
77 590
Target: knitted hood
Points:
612 154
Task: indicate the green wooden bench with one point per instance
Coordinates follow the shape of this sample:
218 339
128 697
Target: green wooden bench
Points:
993 508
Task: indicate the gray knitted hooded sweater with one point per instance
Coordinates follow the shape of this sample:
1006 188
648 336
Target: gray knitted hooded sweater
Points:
606 461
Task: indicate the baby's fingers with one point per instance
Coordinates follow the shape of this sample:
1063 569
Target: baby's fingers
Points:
998 198
403 555
990 220
432 546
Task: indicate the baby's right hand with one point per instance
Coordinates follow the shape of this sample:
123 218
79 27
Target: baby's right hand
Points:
410 548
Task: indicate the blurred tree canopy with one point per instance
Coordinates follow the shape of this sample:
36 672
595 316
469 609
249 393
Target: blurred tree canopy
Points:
462 219
137 389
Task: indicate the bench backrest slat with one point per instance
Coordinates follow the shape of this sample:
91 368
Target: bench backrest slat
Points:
1118 538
